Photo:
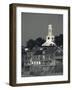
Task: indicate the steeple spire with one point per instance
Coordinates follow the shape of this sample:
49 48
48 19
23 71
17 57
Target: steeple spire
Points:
49 29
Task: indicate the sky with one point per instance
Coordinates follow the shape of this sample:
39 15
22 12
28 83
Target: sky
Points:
34 25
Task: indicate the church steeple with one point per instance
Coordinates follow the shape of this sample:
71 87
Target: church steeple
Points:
49 37
49 29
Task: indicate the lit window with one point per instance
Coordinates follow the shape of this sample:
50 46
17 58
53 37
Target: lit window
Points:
32 62
39 62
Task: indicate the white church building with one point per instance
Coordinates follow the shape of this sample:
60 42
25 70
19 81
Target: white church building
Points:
50 37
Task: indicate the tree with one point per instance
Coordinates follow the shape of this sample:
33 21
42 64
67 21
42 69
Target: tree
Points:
22 60
22 49
30 43
39 41
59 40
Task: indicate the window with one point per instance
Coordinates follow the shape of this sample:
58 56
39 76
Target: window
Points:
39 62
32 62
48 38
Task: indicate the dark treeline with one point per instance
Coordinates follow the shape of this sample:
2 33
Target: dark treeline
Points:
59 40
39 41
34 43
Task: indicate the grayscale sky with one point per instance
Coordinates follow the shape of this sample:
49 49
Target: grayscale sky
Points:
35 25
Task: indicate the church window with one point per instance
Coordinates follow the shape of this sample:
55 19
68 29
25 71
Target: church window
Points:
48 38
